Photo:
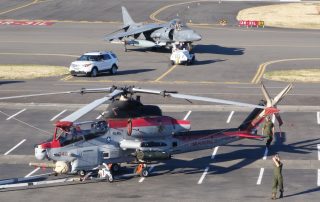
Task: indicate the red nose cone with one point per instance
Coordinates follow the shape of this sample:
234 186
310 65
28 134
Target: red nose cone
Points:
46 145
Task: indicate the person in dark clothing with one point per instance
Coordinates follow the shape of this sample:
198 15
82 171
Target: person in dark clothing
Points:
268 130
277 177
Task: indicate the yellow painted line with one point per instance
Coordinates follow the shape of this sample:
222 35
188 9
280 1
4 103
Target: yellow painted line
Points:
40 54
262 68
167 72
152 82
17 8
257 74
66 78
155 13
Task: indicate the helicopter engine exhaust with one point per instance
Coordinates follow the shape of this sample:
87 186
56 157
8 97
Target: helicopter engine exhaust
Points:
152 155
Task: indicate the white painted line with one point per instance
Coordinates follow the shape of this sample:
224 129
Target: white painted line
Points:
13 148
35 183
56 116
260 176
10 117
214 152
318 151
318 117
203 175
230 116
318 183
32 172
150 169
265 154
205 172
187 115
99 117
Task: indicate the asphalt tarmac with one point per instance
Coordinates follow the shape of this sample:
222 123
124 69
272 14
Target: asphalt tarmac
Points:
228 62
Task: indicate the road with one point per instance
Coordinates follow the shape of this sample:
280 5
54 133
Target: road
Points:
230 64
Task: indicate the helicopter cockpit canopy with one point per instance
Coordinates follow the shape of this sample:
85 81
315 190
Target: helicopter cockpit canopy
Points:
70 133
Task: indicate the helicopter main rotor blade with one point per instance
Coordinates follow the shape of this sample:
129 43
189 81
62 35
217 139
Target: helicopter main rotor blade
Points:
82 91
198 98
206 99
91 106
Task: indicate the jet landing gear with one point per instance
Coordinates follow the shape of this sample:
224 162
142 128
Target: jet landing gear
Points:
142 170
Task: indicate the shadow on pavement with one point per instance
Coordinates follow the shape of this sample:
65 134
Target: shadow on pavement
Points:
205 62
303 192
126 72
215 49
10 82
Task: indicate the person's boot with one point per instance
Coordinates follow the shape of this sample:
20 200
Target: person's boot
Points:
281 194
273 196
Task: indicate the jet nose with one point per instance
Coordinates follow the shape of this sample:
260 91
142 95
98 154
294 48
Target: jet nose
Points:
196 36
187 35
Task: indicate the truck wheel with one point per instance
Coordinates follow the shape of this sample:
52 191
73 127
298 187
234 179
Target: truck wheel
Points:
172 62
114 69
145 172
94 72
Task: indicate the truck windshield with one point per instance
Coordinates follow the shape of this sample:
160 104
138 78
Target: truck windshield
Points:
90 58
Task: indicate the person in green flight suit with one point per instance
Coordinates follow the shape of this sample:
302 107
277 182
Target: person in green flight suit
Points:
268 130
277 177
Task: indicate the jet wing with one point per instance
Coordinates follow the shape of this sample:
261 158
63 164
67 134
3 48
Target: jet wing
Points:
138 30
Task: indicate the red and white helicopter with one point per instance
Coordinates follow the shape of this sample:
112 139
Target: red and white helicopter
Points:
131 132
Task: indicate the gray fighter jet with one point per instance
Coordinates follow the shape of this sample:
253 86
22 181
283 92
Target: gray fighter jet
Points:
153 35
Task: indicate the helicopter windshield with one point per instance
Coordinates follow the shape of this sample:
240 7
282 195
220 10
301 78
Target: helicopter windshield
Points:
68 136
90 130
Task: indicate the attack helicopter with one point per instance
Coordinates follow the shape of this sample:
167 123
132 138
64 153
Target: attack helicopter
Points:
132 132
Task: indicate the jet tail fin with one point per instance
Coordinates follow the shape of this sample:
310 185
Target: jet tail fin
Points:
127 20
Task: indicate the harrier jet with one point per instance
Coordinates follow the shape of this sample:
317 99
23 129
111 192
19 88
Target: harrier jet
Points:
153 35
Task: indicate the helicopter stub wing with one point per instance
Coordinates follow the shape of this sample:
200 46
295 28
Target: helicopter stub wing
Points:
89 107
197 98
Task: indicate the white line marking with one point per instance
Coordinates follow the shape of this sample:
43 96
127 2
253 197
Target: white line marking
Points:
265 154
214 152
318 152
150 169
318 183
318 117
10 117
35 183
205 172
99 117
230 116
203 175
260 176
32 172
13 148
56 116
187 115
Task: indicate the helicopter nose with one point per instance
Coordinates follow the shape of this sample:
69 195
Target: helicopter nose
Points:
39 152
